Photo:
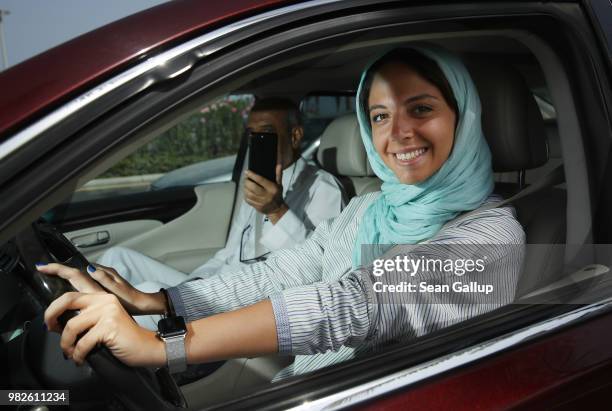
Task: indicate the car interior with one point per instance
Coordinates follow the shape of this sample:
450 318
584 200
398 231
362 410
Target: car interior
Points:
525 147
522 153
529 121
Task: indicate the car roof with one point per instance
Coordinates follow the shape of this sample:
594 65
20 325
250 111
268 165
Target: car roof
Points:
338 70
35 86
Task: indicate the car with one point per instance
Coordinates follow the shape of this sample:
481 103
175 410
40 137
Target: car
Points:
139 93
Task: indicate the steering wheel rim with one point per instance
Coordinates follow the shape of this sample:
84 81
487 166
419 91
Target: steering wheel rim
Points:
136 387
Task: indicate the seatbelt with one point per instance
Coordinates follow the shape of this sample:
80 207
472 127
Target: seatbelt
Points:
236 177
557 176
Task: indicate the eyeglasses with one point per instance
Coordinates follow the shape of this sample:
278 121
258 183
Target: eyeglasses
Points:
262 257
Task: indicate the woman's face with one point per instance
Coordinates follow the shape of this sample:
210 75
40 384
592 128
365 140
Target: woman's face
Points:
412 125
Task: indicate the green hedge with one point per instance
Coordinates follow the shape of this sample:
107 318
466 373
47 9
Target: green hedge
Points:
214 131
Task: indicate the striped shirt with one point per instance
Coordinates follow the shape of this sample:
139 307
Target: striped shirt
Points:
324 310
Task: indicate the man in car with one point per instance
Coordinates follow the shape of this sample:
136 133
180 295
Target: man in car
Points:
274 214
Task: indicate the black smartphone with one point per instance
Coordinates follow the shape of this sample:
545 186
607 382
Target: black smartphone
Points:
262 154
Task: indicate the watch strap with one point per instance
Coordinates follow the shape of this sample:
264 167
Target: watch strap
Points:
170 307
176 356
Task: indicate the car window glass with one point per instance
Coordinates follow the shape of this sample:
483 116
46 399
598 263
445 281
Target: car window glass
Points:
318 110
201 148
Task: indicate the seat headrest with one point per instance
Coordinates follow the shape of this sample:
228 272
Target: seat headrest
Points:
341 151
511 120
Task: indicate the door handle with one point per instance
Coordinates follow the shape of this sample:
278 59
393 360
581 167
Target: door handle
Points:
91 239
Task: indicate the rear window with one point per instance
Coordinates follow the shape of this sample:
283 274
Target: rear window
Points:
318 110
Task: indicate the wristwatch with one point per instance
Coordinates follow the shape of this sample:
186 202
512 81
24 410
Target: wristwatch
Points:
172 331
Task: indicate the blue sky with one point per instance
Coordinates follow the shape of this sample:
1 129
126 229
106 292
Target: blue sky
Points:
37 25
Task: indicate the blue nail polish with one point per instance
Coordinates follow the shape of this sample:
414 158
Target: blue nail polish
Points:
40 264
91 269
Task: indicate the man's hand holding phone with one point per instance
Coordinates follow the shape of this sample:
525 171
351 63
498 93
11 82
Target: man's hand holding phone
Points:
266 196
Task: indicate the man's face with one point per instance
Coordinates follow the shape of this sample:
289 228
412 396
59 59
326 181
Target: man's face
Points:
275 121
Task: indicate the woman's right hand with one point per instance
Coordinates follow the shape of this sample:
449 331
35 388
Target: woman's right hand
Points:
101 319
135 301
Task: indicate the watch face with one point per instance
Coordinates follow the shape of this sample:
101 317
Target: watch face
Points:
171 326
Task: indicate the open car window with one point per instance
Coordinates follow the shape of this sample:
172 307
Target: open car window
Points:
199 149
318 110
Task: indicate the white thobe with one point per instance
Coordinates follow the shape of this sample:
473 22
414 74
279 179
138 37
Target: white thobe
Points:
312 195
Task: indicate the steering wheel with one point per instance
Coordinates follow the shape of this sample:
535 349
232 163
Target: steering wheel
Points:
136 388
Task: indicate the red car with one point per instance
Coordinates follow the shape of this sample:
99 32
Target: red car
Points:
131 134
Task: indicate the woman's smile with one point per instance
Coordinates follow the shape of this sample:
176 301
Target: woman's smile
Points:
411 156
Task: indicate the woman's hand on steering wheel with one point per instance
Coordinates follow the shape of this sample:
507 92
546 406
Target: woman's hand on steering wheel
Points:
77 279
107 279
102 319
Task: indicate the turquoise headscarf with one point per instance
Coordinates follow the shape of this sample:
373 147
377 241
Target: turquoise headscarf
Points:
412 213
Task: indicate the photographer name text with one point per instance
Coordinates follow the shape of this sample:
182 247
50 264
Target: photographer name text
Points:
412 267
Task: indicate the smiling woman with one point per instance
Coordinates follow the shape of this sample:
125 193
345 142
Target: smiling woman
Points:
412 134
313 300
413 114
402 113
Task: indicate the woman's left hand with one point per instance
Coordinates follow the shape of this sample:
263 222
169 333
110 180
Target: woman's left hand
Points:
103 320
